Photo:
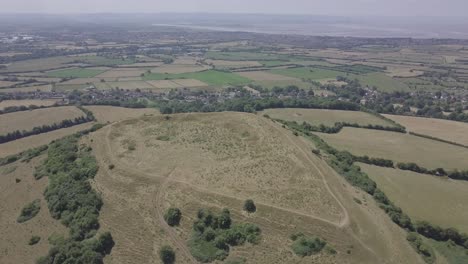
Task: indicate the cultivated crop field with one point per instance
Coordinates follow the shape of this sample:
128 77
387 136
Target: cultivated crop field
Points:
38 64
265 76
439 128
410 190
216 161
210 77
178 69
325 117
37 102
74 73
27 120
399 147
20 145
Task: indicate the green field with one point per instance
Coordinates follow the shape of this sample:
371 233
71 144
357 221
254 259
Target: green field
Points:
239 56
309 73
410 190
210 77
399 147
325 117
104 61
75 73
381 81
452 253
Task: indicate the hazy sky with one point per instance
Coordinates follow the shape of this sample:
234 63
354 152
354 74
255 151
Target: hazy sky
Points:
319 7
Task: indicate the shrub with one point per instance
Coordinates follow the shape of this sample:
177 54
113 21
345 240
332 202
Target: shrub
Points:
249 206
306 246
167 255
173 216
426 252
34 240
111 166
29 211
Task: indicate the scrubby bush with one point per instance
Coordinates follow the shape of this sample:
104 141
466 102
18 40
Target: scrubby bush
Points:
29 211
306 246
249 206
167 255
426 252
173 216
34 240
214 234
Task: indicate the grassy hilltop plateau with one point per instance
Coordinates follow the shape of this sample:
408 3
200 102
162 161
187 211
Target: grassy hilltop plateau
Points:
123 144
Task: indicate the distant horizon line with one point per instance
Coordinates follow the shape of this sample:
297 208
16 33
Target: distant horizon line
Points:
226 13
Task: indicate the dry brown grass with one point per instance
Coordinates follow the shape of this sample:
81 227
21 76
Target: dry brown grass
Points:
323 116
439 128
399 147
27 120
218 160
112 114
410 191
20 145
37 102
15 236
44 88
6 83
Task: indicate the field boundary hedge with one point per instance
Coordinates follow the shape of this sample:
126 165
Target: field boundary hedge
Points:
438 139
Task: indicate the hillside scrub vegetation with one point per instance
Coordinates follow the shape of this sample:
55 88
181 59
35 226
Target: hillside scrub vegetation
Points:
426 252
71 199
29 211
213 235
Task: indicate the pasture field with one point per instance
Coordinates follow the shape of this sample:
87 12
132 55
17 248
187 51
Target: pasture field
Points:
298 83
216 161
26 89
241 56
104 61
70 87
325 117
110 114
381 81
439 128
121 72
6 84
399 147
15 195
74 73
410 191
189 83
130 85
265 76
80 81
27 120
38 64
308 73
179 69
209 77
20 145
233 64
28 102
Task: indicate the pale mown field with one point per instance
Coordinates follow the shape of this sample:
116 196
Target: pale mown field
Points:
44 88
20 145
176 69
112 114
27 120
323 116
437 200
216 161
37 102
15 236
439 128
399 147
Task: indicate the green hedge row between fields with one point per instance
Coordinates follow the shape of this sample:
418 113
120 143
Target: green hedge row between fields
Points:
438 139
343 163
